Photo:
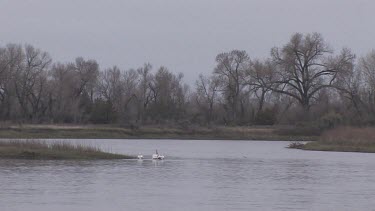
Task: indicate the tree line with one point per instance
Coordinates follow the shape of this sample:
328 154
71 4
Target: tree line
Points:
304 80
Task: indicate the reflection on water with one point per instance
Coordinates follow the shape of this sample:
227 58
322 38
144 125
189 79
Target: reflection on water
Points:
196 175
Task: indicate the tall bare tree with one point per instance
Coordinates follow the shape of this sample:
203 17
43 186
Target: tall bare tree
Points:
31 81
111 88
306 65
206 95
64 105
168 95
87 72
366 83
145 95
367 65
258 77
130 95
11 57
230 70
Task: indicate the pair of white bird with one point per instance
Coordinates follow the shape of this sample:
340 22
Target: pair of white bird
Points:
155 156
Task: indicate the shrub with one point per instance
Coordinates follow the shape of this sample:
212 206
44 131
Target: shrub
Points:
102 112
330 120
266 117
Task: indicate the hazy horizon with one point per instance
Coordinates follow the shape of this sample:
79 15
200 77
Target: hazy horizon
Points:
184 36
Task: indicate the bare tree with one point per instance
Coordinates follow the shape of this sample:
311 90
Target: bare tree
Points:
363 95
230 70
305 66
74 86
10 58
168 95
206 95
367 65
87 72
258 77
130 98
145 95
111 88
31 81
64 104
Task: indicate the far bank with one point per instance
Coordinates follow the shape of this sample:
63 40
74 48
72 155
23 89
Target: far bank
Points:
271 133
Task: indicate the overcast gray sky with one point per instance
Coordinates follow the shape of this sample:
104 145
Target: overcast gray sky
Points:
183 35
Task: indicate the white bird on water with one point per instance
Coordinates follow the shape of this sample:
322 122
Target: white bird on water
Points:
156 156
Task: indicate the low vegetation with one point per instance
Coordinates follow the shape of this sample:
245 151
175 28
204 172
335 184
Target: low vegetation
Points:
41 150
343 139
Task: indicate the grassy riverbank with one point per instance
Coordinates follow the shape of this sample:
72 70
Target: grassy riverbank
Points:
34 149
344 139
152 132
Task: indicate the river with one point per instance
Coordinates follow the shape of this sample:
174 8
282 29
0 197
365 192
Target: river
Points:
196 175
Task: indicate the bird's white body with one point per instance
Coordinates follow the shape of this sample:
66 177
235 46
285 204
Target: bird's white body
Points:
157 157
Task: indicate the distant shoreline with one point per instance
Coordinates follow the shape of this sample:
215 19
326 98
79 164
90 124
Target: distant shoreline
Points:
339 140
148 132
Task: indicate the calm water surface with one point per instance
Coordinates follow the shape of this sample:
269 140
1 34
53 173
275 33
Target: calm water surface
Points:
196 175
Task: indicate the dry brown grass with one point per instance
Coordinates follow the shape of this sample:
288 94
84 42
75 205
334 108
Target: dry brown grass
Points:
343 139
349 136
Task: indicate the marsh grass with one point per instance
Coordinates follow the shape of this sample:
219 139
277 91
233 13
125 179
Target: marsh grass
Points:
344 139
39 149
